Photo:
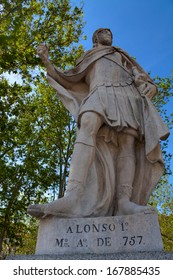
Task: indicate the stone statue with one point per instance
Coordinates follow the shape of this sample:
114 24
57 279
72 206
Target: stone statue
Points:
117 159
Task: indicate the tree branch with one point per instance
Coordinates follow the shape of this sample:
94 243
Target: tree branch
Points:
10 11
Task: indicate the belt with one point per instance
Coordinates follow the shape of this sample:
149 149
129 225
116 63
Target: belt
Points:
119 84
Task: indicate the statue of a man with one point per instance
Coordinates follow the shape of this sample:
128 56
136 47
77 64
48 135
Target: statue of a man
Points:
116 160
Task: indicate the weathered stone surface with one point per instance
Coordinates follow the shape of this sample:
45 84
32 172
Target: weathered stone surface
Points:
153 255
130 233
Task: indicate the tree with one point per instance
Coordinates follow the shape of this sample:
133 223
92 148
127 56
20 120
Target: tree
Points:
162 198
165 86
36 132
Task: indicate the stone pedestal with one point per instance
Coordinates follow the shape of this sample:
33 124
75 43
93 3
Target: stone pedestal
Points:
101 235
152 255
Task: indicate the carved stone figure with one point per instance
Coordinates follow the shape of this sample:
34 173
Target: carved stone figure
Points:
117 159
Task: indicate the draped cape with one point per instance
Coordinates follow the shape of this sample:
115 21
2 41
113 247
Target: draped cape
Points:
99 198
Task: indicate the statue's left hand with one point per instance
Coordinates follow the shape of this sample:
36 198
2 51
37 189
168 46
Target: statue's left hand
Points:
150 90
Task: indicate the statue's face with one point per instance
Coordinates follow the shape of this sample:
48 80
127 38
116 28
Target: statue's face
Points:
104 37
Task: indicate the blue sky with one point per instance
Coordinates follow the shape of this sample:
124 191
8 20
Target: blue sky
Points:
144 28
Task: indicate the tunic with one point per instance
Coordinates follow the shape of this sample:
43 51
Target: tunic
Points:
113 94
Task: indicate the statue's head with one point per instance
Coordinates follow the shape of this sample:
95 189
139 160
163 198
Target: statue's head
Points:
102 36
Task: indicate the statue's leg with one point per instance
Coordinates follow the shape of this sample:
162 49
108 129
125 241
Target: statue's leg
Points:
84 148
82 158
126 165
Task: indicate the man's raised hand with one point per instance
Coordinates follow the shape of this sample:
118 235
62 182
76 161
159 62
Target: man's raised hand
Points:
43 51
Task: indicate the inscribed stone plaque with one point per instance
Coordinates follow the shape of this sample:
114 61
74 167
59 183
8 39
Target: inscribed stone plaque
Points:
132 233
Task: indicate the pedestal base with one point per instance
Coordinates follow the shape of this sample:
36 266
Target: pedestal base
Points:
100 235
114 256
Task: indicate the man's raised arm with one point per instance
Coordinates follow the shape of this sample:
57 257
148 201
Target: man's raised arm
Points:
43 53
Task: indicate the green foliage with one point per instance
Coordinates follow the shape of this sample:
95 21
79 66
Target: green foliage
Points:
24 242
162 197
164 97
25 24
36 131
166 224
164 191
